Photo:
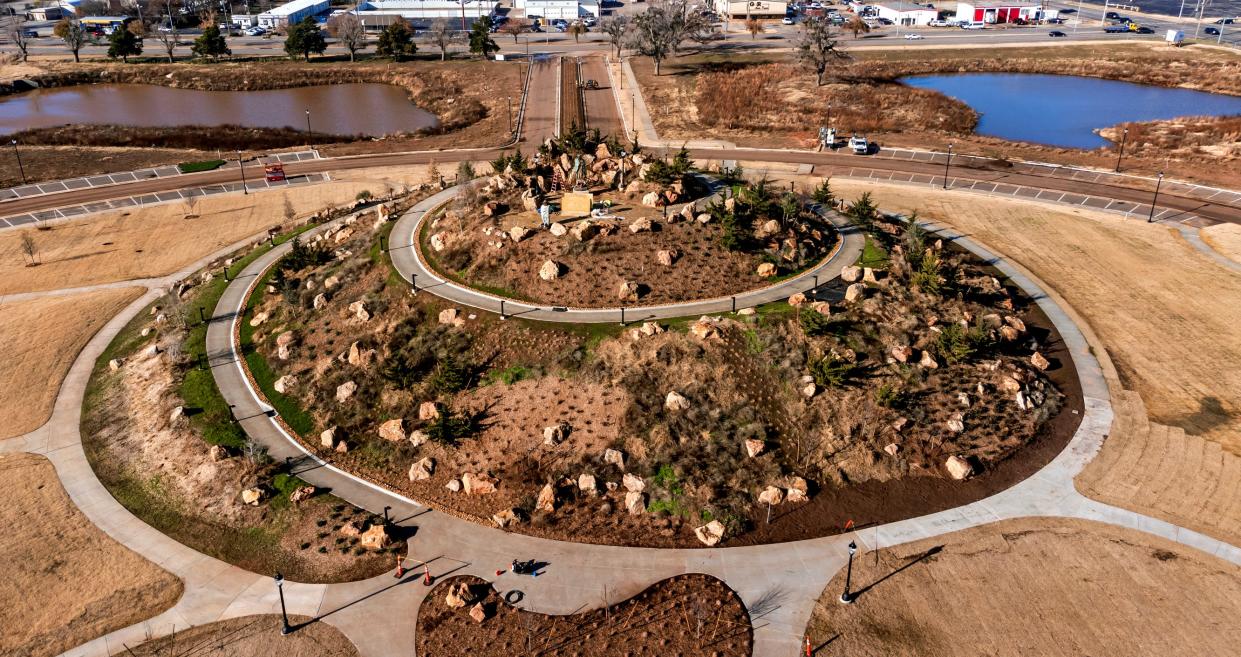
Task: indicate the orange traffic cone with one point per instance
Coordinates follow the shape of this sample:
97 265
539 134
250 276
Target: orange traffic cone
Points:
809 651
400 567
426 575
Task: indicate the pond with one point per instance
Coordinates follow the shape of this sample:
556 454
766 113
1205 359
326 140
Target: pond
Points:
343 109
1063 110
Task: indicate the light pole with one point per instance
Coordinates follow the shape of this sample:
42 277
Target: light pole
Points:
244 189
1158 182
622 170
284 615
19 161
308 121
846 598
509 107
947 162
1124 136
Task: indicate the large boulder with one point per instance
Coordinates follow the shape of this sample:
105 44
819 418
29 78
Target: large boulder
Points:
359 357
928 361
1038 361
652 199
754 447
393 430
633 483
901 353
360 313
418 438
449 316
320 301
252 496
519 233
711 533
676 402
547 499
797 299
641 225
958 468
550 270
587 484
704 328
477 484
635 502
855 291
428 411
771 496
822 307
285 383
667 257
766 270
628 291
259 318
479 613
345 390
558 230
851 274
302 494
283 343
422 469
505 517
375 538
614 457
584 230
327 438
458 595
555 434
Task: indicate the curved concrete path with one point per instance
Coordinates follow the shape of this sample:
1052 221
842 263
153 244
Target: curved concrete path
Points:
779 583
408 261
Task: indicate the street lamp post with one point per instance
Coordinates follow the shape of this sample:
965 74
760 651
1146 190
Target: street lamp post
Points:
947 163
307 121
1124 136
1158 181
622 169
20 168
847 597
284 615
509 107
242 164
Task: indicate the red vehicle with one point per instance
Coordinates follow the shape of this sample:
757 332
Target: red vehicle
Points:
274 172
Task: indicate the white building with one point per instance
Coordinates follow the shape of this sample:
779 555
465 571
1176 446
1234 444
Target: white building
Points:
293 12
569 10
376 14
907 15
751 8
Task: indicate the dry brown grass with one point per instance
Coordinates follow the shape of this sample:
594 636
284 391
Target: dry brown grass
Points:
157 240
1194 136
1224 238
43 337
249 636
1035 587
1154 468
64 581
1154 301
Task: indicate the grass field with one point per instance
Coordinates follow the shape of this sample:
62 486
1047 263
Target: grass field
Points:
156 240
250 636
1034 587
43 337
63 581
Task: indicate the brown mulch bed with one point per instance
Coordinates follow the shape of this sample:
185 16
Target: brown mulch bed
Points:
685 615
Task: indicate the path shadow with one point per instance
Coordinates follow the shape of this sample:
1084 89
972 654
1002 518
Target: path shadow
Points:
825 644
924 556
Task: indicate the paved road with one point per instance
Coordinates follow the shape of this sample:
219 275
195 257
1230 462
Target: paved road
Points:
406 257
601 110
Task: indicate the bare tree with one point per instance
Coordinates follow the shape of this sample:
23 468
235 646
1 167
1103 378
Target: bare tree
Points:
754 27
29 248
514 27
72 34
191 202
290 213
816 47
349 31
660 31
17 34
857 25
577 29
442 36
168 40
617 28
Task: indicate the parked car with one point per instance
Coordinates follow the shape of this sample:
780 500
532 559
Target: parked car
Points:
787 20
911 36
937 23
30 34
1111 15
886 21
1213 31
1056 33
1225 21
256 31
974 26
589 21
1145 30
859 145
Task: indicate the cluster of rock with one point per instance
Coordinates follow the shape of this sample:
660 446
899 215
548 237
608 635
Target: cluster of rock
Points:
460 595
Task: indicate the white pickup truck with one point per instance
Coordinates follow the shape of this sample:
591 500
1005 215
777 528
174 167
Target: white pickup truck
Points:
859 145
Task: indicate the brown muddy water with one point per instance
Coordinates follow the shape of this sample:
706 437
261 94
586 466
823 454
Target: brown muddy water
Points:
341 109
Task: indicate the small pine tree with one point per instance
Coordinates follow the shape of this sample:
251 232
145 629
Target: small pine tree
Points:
124 43
210 44
823 193
863 211
305 38
396 41
480 38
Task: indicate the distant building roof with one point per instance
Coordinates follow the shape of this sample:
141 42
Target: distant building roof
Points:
291 8
993 4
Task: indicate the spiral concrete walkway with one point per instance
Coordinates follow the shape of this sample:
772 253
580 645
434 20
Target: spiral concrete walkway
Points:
408 260
779 583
